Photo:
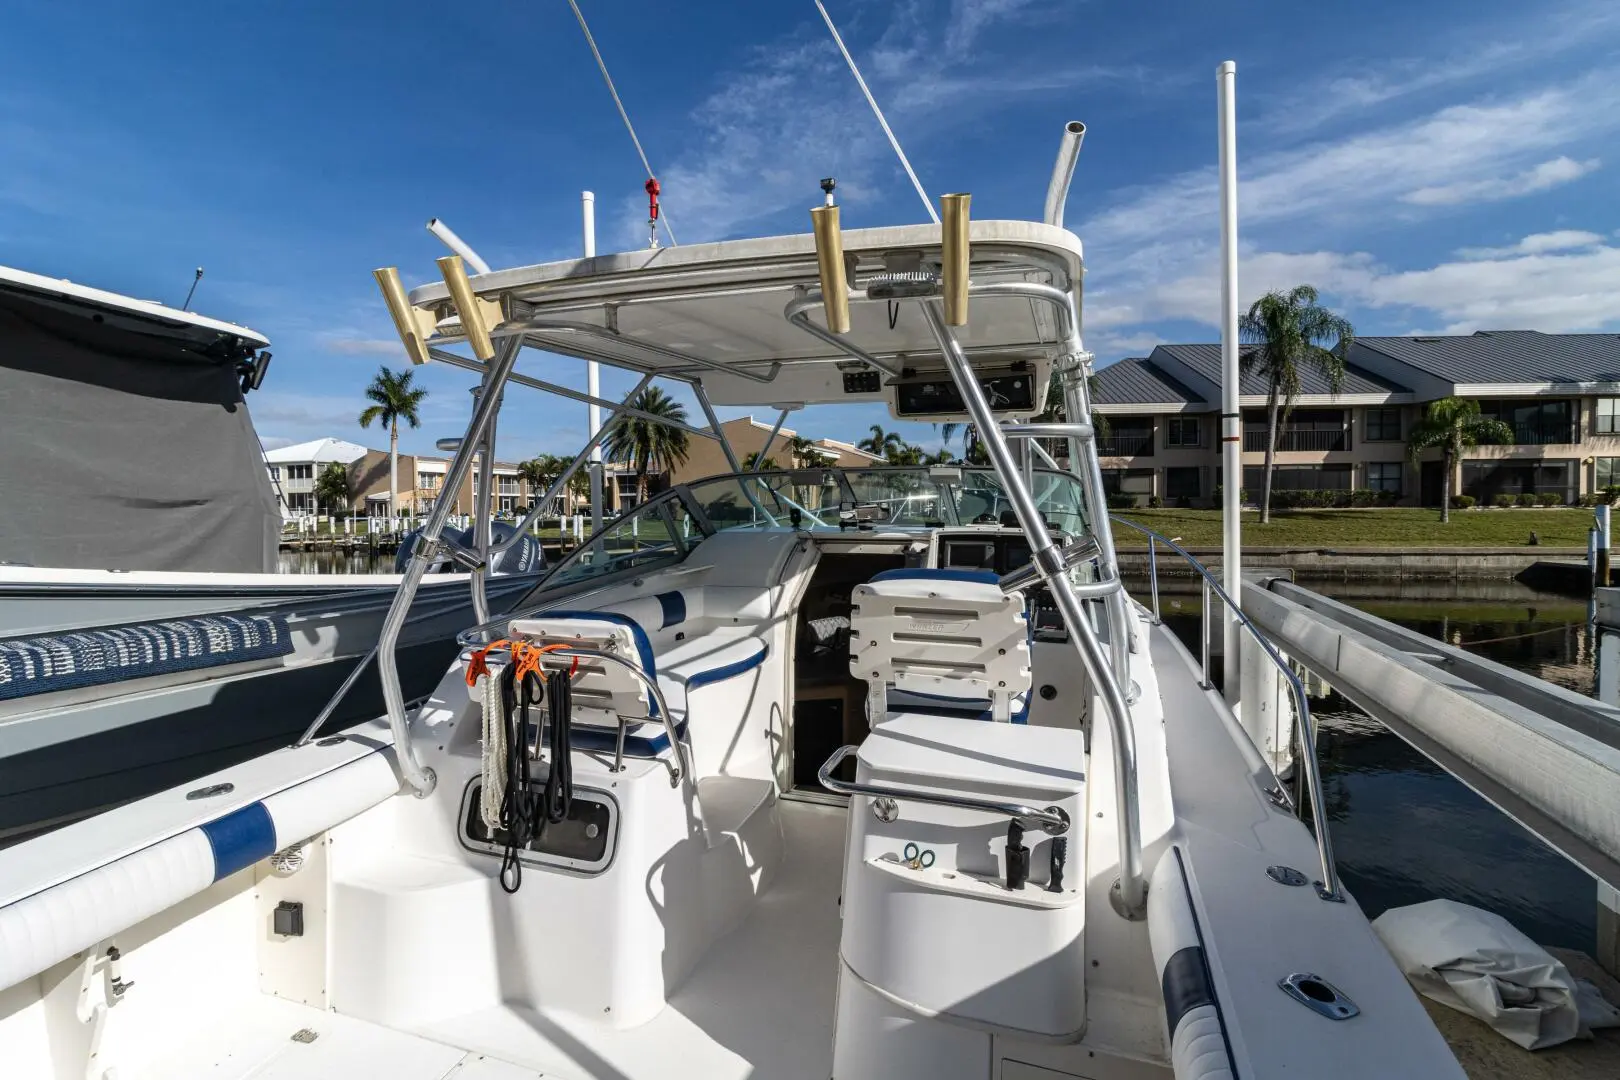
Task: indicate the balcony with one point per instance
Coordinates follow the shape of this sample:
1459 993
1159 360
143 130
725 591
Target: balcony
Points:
1125 444
1290 439
1543 433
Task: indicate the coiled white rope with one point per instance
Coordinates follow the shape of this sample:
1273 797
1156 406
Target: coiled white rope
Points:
492 769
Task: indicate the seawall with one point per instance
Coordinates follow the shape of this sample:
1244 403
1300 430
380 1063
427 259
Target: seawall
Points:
1381 563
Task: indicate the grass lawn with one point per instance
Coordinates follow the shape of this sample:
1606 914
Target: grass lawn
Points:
1386 527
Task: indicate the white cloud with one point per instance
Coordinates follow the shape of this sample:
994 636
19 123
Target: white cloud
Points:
362 346
1549 174
1536 244
793 114
1551 291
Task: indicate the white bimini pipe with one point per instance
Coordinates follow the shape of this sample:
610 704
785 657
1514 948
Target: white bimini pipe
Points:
448 237
1231 416
593 373
1057 192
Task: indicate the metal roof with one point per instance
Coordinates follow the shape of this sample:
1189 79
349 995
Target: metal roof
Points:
1137 380
1206 361
1514 357
316 451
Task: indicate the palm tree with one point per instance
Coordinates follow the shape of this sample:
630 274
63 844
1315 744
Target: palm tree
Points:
394 400
1289 332
541 471
802 452
753 463
332 487
881 443
1453 424
647 445
904 453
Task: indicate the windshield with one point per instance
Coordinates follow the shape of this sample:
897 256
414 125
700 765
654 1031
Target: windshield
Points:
896 497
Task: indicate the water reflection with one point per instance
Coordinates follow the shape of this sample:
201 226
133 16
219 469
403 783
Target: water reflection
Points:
334 562
1404 830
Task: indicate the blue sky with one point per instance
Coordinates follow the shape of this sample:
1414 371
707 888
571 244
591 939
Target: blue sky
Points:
1440 167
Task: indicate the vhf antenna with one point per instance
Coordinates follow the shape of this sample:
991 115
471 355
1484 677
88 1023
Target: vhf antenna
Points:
192 291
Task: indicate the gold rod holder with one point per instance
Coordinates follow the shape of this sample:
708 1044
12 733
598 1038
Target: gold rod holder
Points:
473 326
405 323
954 256
830 261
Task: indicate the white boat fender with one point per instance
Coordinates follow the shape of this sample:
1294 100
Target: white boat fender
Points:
1199 1049
1478 963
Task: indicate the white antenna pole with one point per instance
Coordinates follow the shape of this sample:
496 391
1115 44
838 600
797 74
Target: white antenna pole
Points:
593 374
448 236
1231 416
877 112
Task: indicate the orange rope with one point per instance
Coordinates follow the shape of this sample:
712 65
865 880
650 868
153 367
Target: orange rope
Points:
526 656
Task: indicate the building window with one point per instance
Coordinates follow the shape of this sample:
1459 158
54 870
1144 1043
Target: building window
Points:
1183 431
429 480
1183 483
1384 425
1126 438
1306 429
1608 416
300 472
1536 422
275 472
1384 476
1137 483
1608 472
1485 480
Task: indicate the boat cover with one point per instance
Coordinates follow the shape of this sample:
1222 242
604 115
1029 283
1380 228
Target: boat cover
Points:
1477 962
126 444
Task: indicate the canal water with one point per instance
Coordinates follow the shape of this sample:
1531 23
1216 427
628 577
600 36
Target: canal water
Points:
1404 830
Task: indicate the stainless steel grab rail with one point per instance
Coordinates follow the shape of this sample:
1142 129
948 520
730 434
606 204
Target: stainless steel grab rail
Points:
1052 820
1328 888
1073 553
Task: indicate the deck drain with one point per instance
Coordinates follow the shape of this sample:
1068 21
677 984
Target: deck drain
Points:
210 791
305 1035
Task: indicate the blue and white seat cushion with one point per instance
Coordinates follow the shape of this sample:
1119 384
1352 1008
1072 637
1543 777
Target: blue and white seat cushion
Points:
47 663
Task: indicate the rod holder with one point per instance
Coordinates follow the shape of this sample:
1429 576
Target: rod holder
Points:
413 327
468 306
954 256
830 262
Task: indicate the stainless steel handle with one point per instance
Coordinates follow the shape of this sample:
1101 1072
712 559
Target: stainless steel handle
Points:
1052 820
1073 553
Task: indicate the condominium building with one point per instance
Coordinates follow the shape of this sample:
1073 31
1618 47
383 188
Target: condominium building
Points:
1559 394
704 457
293 468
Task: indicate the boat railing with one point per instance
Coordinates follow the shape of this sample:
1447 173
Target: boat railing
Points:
1328 888
1052 820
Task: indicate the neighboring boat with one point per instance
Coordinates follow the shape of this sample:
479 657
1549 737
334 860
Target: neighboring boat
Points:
854 773
144 635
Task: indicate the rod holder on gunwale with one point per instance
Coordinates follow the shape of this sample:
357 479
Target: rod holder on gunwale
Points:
473 326
830 264
954 255
412 334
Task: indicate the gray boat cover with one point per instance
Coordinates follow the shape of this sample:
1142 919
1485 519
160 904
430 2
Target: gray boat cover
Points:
127 448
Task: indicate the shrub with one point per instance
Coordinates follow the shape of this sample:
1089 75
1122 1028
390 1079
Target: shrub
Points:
1550 498
1526 499
1183 503
1462 502
1118 500
1502 501
1363 497
1612 492
1387 498
1155 503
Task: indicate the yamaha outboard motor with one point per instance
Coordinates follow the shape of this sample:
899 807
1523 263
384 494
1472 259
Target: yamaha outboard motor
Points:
523 557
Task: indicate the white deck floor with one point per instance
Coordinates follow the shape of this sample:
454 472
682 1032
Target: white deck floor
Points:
759 1005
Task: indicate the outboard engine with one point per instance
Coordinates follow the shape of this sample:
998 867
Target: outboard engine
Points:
524 557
